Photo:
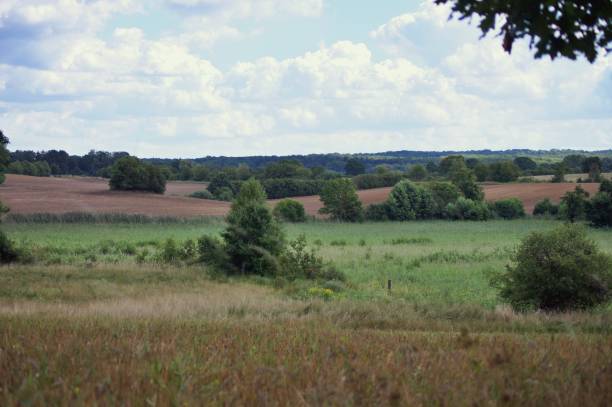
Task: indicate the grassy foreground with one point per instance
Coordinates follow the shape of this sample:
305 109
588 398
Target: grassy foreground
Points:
89 324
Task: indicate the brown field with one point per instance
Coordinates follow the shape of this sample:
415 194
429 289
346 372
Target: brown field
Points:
26 195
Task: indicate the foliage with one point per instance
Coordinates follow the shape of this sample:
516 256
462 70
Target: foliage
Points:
606 186
503 171
299 262
211 251
204 194
131 174
448 164
5 156
417 173
599 210
286 169
378 212
559 173
558 270
573 204
8 252
525 163
546 208
277 188
376 180
511 208
289 210
253 238
354 167
481 171
219 181
408 201
35 169
466 209
465 180
340 200
567 28
443 193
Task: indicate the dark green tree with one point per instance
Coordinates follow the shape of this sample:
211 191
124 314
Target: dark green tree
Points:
525 163
573 204
131 174
5 156
567 28
503 171
340 200
417 172
408 201
354 167
253 238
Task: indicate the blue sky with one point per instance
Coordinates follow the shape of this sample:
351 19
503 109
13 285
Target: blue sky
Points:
190 78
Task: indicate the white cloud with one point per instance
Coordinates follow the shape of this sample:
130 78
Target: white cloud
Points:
241 9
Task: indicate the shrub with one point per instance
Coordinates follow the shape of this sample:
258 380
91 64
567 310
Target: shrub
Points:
378 212
341 201
606 186
443 193
556 271
8 252
370 181
545 208
224 194
211 252
277 188
131 174
511 208
599 210
466 209
465 180
253 239
417 173
289 210
299 262
408 201
504 171
170 252
220 180
205 194
573 204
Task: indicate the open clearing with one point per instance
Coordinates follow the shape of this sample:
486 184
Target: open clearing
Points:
25 195
88 324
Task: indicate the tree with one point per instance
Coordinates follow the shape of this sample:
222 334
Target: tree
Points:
573 204
253 238
465 180
599 210
131 174
354 167
592 166
559 175
567 28
286 169
408 201
340 200
417 172
558 270
218 182
289 210
449 163
443 193
481 171
504 171
5 156
525 163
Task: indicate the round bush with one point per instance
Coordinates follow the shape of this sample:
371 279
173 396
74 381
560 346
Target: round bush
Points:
509 208
205 194
558 270
545 208
466 209
599 210
290 210
408 201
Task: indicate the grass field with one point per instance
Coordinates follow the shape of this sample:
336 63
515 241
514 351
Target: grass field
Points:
88 322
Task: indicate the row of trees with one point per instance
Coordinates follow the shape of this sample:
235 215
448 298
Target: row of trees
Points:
36 168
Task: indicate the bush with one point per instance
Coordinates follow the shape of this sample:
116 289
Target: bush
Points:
340 201
205 194
211 252
299 262
370 181
573 205
289 210
606 186
546 208
408 201
599 210
278 188
511 208
558 270
378 212
253 239
504 171
466 209
219 181
131 174
224 194
443 193
8 252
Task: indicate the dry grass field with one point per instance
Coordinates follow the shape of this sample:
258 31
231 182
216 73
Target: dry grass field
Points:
26 195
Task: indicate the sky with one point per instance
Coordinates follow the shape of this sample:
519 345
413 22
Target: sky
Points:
192 78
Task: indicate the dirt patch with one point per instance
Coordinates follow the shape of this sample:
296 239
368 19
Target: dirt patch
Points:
24 194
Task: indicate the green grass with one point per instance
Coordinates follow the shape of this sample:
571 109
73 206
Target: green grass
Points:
434 262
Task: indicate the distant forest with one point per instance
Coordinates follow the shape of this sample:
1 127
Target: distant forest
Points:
98 163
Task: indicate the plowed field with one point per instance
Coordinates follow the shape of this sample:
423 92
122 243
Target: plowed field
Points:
24 194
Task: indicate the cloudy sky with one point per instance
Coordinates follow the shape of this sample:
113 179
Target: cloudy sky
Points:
191 78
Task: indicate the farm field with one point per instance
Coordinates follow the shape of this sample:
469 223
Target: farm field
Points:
569 177
89 322
27 195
